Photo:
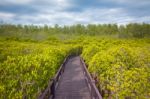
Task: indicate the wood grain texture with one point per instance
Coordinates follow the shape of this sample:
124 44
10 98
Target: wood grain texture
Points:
72 84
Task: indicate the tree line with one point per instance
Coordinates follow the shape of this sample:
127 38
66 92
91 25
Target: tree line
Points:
136 30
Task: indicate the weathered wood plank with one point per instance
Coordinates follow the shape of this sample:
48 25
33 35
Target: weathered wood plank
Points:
72 84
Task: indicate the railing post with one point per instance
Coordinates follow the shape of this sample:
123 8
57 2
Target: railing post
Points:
94 91
50 90
53 88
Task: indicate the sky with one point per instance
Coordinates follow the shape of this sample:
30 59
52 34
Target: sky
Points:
69 12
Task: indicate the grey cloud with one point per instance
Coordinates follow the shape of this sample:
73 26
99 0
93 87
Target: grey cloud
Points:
66 12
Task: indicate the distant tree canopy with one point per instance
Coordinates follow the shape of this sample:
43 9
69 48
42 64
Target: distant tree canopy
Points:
135 30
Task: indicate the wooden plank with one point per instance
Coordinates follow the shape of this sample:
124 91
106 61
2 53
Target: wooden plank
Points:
50 90
73 85
72 81
93 89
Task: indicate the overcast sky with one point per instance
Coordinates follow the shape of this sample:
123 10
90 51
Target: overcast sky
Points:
67 12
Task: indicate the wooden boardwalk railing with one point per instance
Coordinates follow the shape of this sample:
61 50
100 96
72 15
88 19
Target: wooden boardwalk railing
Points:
93 89
72 81
49 92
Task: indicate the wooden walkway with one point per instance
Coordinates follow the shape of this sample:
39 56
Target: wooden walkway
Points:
72 84
72 81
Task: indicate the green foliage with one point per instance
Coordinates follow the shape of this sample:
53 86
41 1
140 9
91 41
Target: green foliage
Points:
26 67
31 55
122 67
132 30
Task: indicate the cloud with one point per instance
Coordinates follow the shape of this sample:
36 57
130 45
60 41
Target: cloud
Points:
6 15
139 2
15 2
67 12
86 17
